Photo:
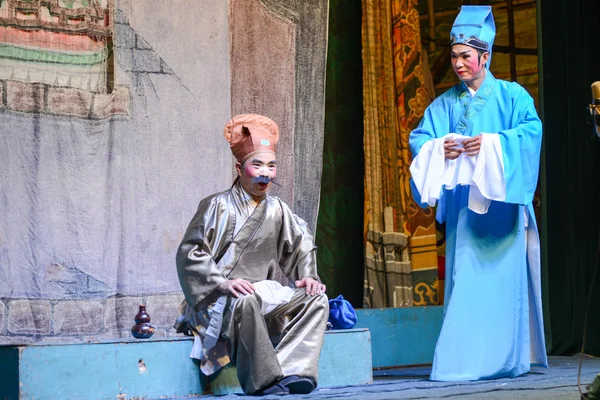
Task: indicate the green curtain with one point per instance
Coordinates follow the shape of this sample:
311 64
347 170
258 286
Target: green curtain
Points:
339 233
569 63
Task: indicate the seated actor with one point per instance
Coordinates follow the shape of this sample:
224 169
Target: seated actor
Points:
228 262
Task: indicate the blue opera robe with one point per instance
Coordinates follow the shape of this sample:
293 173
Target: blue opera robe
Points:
493 325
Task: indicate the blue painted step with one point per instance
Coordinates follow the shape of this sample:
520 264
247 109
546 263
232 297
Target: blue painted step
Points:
109 370
402 336
345 361
150 369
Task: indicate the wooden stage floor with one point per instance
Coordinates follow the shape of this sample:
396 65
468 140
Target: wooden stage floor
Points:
557 382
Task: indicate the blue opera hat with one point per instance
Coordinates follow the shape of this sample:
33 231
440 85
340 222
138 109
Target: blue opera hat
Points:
474 26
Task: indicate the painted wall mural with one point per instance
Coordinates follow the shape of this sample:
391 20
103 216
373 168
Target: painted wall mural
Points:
56 58
98 180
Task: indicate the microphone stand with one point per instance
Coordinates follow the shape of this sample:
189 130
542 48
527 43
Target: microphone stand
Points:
594 388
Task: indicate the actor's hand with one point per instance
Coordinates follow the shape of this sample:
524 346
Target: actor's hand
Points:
472 145
313 287
237 287
452 150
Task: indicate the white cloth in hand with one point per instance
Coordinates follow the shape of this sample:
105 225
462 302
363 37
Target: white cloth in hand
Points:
484 172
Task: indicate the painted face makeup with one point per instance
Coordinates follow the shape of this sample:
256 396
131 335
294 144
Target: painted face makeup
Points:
257 174
468 66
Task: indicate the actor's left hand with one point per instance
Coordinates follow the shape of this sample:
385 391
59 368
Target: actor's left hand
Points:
472 145
313 287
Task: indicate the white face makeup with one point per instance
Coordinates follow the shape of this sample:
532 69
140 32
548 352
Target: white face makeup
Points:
259 165
468 66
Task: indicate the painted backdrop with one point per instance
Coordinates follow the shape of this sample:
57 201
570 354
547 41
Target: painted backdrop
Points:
112 115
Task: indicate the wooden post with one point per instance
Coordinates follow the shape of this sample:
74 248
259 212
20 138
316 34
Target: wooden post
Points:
511 40
431 14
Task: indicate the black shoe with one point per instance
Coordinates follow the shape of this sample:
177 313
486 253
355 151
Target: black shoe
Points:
298 385
277 389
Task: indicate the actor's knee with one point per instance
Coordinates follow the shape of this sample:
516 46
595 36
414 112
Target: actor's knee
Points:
246 303
318 302
321 300
318 298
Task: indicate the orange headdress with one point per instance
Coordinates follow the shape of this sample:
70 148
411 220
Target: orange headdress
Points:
250 134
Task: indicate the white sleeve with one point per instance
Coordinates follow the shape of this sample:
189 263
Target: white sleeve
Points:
488 181
427 171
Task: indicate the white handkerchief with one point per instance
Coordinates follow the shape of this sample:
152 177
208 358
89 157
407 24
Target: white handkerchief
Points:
272 294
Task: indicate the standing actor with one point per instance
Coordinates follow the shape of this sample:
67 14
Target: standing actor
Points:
476 153
227 264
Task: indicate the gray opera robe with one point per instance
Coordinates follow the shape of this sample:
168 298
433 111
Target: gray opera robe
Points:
268 240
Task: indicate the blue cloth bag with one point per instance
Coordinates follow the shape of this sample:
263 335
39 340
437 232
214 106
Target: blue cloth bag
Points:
341 313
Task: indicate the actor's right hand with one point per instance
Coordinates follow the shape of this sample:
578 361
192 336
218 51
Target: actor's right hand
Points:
313 286
451 149
237 287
